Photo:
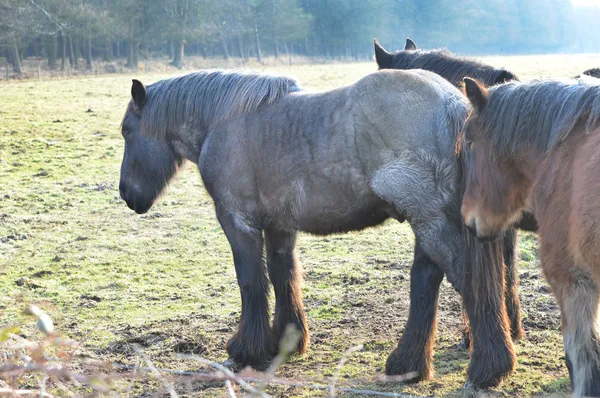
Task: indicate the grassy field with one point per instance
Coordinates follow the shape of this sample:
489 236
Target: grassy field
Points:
166 281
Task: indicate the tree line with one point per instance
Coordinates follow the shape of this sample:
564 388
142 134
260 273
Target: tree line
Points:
72 33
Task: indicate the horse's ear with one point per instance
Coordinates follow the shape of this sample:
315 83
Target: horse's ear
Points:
410 45
505 76
138 93
383 58
476 93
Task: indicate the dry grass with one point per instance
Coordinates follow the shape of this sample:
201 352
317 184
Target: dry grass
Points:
163 284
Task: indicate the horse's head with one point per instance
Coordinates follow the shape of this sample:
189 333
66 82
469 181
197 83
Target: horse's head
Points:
386 60
149 163
496 188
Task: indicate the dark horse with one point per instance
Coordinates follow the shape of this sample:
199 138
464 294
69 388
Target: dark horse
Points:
442 62
454 69
277 160
594 72
537 146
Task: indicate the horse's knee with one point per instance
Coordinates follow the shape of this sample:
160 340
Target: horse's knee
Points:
424 273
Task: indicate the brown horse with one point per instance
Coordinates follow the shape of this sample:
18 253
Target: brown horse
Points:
537 146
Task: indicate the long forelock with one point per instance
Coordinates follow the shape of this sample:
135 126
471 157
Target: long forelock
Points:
202 99
540 114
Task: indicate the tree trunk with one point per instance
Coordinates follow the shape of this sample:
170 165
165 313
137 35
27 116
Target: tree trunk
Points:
118 49
36 48
88 51
241 45
136 54
71 53
171 50
14 58
63 50
131 55
178 54
108 53
76 53
258 52
225 52
53 51
129 63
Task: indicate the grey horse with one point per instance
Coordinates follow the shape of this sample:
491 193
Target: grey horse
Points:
277 160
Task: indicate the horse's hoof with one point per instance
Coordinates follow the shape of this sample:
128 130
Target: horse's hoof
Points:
489 367
414 370
232 365
468 385
258 356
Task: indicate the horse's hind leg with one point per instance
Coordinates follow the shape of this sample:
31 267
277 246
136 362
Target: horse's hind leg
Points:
415 349
511 292
578 297
285 273
252 344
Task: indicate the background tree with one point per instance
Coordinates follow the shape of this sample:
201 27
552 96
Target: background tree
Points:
131 30
19 20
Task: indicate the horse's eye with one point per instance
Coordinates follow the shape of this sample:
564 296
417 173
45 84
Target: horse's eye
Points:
468 145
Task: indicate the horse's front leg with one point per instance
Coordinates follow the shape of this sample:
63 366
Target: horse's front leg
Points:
253 343
511 294
511 291
492 355
415 349
285 273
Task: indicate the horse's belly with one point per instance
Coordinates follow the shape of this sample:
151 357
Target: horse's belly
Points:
344 216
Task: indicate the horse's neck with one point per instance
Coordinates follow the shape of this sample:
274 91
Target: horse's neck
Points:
188 140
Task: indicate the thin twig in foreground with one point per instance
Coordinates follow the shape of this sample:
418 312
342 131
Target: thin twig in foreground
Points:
135 369
232 376
230 388
22 393
156 373
347 354
243 381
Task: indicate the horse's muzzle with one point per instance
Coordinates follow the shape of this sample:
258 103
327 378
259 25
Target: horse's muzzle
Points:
138 205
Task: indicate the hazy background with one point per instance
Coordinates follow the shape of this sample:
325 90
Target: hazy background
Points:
74 33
